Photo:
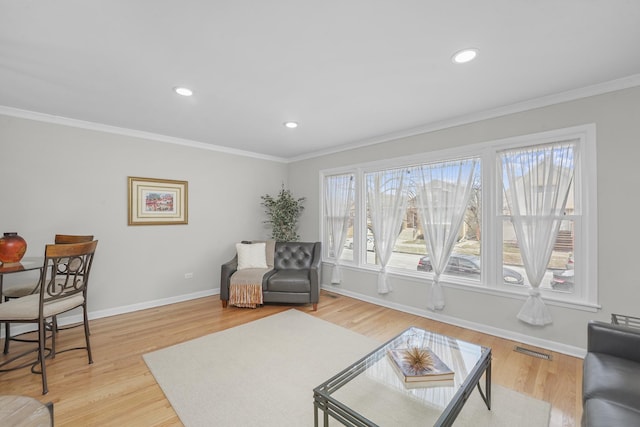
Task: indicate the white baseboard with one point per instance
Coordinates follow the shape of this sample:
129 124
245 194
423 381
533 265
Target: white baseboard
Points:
502 333
70 319
149 304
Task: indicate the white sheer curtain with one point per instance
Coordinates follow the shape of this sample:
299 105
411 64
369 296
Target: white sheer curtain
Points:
387 197
536 189
338 200
442 191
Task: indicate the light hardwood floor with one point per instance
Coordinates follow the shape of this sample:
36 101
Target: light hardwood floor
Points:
119 390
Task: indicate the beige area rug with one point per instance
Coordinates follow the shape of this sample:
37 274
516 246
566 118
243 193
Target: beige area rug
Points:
263 373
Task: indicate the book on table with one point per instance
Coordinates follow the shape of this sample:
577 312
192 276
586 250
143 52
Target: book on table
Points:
436 373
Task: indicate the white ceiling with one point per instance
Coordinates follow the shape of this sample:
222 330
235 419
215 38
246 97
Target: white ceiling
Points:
349 71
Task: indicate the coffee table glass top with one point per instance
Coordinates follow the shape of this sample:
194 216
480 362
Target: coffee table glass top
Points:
370 392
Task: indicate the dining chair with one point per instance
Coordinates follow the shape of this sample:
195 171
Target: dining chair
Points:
62 287
25 289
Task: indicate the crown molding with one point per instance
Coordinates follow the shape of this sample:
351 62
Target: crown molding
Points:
593 90
65 121
545 101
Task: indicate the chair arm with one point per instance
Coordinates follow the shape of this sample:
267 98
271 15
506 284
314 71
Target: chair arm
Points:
314 278
226 271
614 340
317 255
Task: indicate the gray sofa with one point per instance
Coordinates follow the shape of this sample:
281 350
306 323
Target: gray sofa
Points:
611 377
294 278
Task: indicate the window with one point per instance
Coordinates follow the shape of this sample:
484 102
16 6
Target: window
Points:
338 215
538 183
490 248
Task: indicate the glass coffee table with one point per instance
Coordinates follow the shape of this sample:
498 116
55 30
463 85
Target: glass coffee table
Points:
371 393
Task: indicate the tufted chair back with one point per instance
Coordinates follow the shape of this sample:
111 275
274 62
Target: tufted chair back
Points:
293 255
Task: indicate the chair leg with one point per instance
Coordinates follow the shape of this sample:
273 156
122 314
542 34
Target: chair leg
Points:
7 337
7 332
315 306
224 303
42 335
53 338
87 333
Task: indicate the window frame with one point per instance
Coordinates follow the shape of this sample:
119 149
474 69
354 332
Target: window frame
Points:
583 297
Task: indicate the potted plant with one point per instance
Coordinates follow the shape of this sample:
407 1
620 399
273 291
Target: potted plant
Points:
283 212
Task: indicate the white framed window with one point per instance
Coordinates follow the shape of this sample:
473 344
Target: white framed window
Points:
487 253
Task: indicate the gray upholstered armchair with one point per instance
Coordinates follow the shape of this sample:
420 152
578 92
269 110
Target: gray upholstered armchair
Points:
293 279
611 376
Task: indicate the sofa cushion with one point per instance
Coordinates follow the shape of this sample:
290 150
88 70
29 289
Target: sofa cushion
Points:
601 412
289 281
270 248
252 255
611 378
293 255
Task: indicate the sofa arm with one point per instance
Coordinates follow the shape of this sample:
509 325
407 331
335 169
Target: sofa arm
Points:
314 272
226 271
614 340
317 255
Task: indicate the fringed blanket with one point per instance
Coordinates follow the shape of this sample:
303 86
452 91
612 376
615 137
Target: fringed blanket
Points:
245 287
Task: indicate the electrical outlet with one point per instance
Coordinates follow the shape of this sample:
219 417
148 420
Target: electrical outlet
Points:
188 275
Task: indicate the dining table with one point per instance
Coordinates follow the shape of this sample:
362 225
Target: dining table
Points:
25 264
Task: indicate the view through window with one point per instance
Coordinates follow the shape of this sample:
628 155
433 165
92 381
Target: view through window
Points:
488 250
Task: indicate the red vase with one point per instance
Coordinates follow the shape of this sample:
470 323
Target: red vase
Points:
12 248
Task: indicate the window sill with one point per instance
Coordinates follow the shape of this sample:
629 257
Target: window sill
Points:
469 286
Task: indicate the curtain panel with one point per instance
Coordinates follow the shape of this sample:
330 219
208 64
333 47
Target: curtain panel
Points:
387 196
338 201
442 196
536 188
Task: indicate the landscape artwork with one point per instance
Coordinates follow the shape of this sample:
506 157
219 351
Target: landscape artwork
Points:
155 201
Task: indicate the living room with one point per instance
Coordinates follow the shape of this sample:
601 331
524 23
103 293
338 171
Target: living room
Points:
65 174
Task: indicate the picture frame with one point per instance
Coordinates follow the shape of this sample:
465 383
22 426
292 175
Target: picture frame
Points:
153 201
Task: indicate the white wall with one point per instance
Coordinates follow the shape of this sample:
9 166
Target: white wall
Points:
60 179
617 119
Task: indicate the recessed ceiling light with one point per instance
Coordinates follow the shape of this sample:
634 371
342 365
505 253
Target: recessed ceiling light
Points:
291 125
464 55
183 91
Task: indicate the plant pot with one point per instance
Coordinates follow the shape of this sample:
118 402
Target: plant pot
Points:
12 248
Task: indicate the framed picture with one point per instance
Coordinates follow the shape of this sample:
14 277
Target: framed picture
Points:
157 201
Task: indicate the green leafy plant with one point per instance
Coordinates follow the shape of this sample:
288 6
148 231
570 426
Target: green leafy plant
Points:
283 212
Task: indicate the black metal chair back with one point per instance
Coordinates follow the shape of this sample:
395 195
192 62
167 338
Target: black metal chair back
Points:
66 270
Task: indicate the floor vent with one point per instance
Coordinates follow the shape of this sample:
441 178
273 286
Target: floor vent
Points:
532 353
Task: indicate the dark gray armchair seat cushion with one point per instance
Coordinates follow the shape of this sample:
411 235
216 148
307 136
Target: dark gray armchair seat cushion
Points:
289 281
601 412
611 376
